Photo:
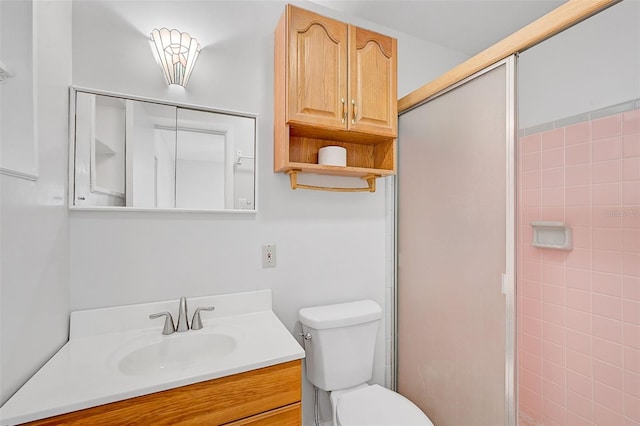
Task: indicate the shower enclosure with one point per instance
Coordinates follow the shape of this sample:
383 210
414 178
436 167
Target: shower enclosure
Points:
491 328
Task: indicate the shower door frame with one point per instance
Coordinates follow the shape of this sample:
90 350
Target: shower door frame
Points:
509 276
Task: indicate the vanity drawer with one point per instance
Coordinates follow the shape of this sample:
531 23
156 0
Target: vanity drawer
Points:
265 393
285 416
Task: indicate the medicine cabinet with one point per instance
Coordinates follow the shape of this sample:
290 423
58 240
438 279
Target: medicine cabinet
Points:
134 153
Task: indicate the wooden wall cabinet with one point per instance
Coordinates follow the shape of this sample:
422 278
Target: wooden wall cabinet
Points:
269 396
335 84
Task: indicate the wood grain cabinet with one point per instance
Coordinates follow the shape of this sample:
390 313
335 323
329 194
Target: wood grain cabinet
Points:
335 84
268 396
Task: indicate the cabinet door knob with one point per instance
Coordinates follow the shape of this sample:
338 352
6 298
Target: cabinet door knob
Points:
355 111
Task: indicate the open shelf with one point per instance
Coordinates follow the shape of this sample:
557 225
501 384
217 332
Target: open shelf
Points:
363 159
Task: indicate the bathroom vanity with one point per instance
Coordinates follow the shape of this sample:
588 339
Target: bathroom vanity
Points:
242 368
267 396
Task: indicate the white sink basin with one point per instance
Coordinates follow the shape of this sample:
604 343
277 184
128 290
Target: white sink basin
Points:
176 352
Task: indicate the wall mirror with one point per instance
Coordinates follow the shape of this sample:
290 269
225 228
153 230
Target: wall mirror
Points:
135 153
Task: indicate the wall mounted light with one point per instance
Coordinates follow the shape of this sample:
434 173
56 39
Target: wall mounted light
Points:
176 52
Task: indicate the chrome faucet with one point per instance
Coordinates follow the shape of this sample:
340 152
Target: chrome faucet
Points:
183 321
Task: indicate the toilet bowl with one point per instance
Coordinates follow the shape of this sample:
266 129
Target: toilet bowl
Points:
376 406
339 345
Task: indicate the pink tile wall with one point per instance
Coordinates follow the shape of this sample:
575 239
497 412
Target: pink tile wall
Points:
579 311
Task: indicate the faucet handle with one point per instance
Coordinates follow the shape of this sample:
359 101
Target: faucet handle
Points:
169 328
196 322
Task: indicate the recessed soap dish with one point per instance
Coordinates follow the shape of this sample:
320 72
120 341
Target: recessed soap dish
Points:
554 235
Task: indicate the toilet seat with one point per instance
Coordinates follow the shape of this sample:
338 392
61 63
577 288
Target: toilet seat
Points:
377 406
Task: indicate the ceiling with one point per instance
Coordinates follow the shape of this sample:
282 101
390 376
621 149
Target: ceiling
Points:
467 26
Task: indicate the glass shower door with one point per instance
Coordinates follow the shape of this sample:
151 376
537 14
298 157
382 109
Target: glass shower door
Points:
456 252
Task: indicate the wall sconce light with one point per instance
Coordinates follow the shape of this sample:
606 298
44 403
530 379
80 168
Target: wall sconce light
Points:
176 52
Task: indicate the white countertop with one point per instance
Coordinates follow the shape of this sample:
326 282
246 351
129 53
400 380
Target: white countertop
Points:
84 372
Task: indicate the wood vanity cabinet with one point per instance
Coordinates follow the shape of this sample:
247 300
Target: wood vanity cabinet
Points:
335 84
268 396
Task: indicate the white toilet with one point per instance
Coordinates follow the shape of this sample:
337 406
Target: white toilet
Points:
339 345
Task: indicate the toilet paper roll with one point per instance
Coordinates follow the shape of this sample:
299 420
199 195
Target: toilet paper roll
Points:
332 156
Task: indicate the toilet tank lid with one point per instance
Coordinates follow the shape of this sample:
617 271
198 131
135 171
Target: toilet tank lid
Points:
340 315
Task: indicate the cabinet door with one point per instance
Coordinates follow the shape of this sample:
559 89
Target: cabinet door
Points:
373 103
317 70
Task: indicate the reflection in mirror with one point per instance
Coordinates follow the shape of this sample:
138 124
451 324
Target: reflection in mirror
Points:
100 161
206 156
199 163
152 145
107 160
150 155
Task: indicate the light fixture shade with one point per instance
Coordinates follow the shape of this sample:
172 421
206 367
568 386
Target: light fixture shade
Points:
176 52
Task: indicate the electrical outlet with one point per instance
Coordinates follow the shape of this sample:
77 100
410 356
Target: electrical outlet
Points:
269 256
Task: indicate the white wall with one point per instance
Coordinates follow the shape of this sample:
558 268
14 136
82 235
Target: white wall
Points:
420 61
553 74
331 247
18 152
34 264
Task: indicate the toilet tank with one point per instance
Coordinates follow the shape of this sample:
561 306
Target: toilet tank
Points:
339 353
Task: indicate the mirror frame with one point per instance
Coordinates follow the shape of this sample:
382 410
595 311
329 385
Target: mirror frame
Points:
73 90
